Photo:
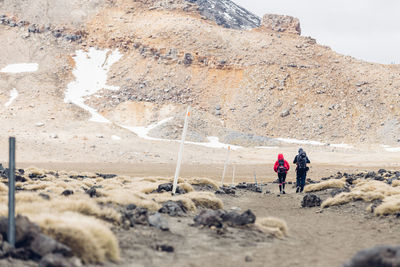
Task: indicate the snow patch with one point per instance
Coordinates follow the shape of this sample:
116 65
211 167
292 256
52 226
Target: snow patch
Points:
91 76
391 149
13 96
301 142
20 67
314 143
115 137
341 145
267 147
143 132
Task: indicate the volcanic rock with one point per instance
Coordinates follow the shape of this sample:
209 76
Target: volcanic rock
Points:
281 23
311 200
156 220
382 256
173 208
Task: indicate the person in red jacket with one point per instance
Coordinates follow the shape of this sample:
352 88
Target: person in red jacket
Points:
281 167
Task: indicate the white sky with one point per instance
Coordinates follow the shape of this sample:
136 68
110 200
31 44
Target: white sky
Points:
365 29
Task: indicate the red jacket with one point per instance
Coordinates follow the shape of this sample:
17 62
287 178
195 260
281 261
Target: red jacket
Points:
285 164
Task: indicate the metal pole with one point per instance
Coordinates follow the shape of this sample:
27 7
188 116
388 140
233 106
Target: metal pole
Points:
11 192
180 154
226 163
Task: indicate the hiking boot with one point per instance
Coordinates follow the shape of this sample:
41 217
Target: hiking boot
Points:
297 189
283 192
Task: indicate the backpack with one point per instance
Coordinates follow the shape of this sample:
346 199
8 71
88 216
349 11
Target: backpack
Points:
281 166
302 161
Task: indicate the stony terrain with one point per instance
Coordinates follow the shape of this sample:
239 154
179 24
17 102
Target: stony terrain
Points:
243 84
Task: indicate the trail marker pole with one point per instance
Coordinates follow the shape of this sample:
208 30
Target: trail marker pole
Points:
180 154
233 175
11 192
226 163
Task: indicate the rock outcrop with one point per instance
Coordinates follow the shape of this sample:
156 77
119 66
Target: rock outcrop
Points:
227 14
281 23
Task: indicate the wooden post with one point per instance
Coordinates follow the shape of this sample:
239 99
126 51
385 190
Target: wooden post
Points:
226 163
180 154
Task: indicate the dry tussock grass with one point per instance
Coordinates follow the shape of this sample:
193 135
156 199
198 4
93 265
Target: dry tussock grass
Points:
35 171
390 205
396 183
368 191
206 200
272 226
3 188
89 238
187 187
333 183
204 181
125 197
80 222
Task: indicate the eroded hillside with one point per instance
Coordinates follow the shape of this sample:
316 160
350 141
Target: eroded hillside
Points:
246 86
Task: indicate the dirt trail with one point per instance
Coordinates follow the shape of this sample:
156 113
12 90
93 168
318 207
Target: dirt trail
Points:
328 238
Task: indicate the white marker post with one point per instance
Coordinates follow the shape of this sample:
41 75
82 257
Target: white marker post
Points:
233 175
180 154
226 163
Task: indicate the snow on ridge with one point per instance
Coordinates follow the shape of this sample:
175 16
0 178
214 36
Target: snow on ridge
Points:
13 96
143 131
311 142
391 149
115 137
91 76
300 142
20 67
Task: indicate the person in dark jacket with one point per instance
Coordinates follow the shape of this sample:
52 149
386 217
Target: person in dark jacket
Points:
281 167
301 161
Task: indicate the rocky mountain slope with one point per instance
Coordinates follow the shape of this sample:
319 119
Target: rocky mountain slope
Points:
248 81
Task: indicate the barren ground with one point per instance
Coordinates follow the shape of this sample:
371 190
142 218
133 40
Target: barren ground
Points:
327 238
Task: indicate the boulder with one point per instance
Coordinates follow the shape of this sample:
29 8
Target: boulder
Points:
131 207
58 260
156 220
209 218
136 216
167 187
43 245
311 200
164 187
67 192
165 248
106 176
92 192
173 208
188 59
281 23
234 219
381 256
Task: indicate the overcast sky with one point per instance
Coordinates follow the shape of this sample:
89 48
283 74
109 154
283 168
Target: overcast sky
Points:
365 29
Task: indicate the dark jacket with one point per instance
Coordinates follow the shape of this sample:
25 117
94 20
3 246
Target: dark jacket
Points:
295 159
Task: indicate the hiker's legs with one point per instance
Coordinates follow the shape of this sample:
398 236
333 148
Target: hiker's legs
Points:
298 181
303 180
281 179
